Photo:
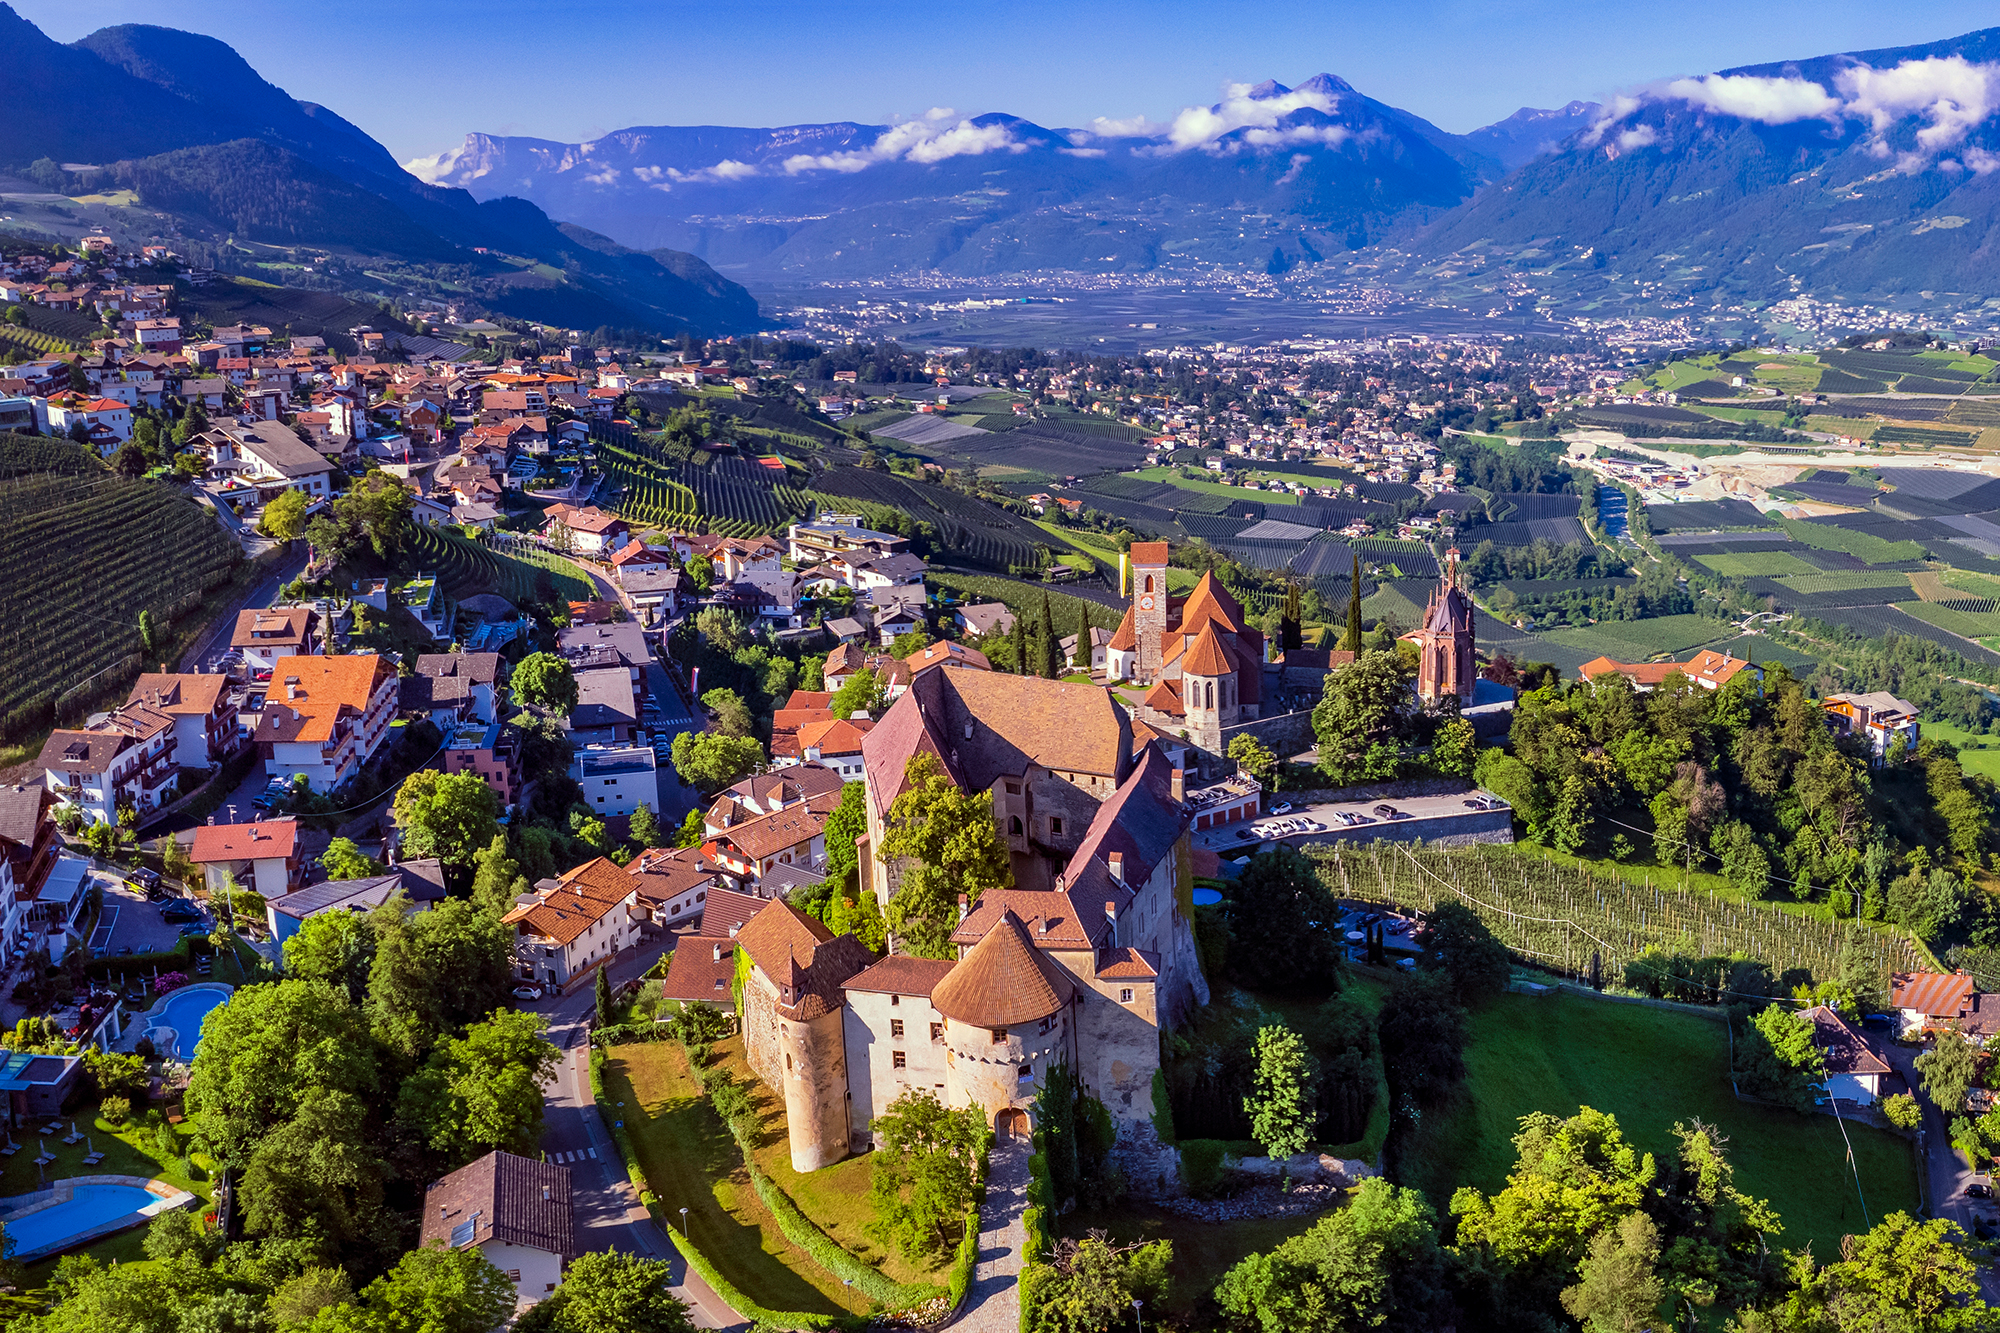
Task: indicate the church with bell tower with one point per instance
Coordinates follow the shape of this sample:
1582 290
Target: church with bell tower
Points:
1444 642
1199 656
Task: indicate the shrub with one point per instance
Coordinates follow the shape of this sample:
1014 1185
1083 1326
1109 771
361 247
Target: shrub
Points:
1202 1169
115 1110
1901 1111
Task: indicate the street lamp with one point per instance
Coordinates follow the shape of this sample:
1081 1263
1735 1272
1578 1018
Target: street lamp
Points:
1136 1303
684 1222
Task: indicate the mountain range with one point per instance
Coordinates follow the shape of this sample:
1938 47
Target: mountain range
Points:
1868 174
183 121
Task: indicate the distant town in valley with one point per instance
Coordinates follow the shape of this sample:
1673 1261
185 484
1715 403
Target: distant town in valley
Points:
1332 726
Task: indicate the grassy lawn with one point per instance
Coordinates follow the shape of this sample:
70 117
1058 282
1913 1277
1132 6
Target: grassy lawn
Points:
1977 753
691 1162
1649 1067
1203 1251
1173 477
129 1151
1753 415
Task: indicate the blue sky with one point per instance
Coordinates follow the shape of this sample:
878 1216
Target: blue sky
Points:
420 76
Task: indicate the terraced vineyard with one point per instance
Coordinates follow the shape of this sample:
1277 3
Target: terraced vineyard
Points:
467 568
82 553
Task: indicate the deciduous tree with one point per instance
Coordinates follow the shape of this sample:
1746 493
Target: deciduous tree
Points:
950 845
711 761
446 815
545 681
1281 1106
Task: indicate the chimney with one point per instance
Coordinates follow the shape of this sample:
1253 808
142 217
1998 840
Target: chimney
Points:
1117 861
964 906
968 730
1177 785
718 953
1111 915
733 928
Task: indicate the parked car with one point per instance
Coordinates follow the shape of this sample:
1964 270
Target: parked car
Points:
1977 1190
180 909
1282 808
1385 812
1246 833
194 932
527 992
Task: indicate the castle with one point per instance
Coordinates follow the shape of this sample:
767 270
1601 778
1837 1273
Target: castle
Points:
1080 962
1202 659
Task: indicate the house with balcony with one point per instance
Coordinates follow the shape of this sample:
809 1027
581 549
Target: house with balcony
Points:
617 779
324 717
571 926
489 751
1886 725
267 636
263 857
792 835
29 849
122 758
201 705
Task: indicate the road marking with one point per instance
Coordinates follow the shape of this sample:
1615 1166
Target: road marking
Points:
592 1154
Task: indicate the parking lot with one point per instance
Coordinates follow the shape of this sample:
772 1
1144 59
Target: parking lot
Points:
1414 817
134 924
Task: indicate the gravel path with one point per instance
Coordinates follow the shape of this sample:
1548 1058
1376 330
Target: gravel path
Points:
993 1305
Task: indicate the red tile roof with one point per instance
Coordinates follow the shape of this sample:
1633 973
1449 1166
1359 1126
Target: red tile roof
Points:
268 840
902 974
1933 994
1003 981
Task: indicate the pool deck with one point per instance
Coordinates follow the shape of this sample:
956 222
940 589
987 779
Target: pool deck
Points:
165 1199
147 1024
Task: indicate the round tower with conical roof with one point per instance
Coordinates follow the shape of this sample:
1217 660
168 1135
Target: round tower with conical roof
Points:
1006 1021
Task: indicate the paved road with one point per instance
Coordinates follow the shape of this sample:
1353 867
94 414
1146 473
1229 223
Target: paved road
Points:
1945 1173
609 1215
206 654
1430 817
993 1302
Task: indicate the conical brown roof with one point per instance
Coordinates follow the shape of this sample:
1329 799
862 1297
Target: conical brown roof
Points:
1004 981
1207 657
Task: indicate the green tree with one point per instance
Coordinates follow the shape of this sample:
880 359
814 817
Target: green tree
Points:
334 947
1350 641
331 539
1372 1264
129 460
496 878
1949 1071
1900 1110
1619 1290
1456 749
602 997
430 1290
285 517
1777 1060
481 1091
862 692
344 860
1459 947
1422 1031
449 816
645 829
922 1176
692 830
299 1298
950 844
149 637
609 1292
1363 718
720 629
435 972
1281 1105
545 681
730 715
1288 923
378 507
845 823
710 761
1047 644
1090 1285
1907 1275
1254 757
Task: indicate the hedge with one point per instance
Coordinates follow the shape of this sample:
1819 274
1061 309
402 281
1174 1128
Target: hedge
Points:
174 959
1035 1235
626 1148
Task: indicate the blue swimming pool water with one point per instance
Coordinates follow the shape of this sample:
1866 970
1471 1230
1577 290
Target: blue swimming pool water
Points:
90 1207
183 1012
1207 897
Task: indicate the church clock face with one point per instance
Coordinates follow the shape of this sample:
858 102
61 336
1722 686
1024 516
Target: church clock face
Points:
1146 603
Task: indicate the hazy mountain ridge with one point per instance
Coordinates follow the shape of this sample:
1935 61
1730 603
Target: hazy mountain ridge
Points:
182 119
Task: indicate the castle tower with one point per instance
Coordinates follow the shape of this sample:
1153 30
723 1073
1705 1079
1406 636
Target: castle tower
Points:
1208 689
1005 1007
1149 605
1445 660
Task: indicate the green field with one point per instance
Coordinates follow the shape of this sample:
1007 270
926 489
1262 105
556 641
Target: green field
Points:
1969 624
1649 1067
1754 415
1173 477
1977 752
1978 585
1637 640
1756 564
1872 550
1848 582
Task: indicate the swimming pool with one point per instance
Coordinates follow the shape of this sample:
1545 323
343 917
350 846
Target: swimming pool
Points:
83 1209
180 1014
1207 897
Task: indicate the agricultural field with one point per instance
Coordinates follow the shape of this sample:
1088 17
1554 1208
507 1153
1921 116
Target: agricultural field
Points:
1172 477
1854 582
1102 605
1977 752
1876 621
1964 581
520 573
1641 640
1865 547
1757 564
82 553
1967 623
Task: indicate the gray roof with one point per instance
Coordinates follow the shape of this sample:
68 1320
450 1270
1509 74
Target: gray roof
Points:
283 451
604 698
626 638
650 579
479 668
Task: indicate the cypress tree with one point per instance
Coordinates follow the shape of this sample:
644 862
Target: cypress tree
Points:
1051 646
603 997
1082 635
1351 641
1021 645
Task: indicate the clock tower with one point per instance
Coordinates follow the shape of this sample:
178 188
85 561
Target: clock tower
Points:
1149 605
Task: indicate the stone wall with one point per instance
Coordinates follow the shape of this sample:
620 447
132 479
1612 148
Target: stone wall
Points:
1287 734
873 1081
815 1086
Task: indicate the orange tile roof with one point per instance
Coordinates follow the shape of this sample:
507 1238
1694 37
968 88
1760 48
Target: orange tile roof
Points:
1933 994
1149 553
1639 673
1207 658
834 735
327 687
1126 638
267 841
945 653
1003 981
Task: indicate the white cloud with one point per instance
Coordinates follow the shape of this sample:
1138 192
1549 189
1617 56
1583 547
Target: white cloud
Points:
1128 127
608 176
1950 92
1299 163
929 139
435 167
1200 126
1081 152
1982 162
1772 101
1327 134
1639 136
